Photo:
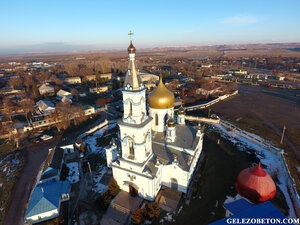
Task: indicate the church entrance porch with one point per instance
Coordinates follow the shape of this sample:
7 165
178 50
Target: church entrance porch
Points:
133 192
168 199
132 188
121 208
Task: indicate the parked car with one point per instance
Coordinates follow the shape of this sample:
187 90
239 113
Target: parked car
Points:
46 137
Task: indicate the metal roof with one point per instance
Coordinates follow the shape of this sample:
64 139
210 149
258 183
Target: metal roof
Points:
238 206
263 210
45 197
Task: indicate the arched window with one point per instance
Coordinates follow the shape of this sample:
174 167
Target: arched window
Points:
130 108
156 119
147 145
131 149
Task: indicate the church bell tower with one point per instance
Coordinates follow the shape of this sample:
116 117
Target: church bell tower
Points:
135 127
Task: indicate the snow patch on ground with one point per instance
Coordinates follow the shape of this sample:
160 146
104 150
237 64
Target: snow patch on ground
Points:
73 172
230 199
169 217
98 187
92 140
269 159
181 207
9 165
147 222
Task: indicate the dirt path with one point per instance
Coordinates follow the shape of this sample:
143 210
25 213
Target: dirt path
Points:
36 156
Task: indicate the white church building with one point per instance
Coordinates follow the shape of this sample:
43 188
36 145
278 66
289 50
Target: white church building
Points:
156 148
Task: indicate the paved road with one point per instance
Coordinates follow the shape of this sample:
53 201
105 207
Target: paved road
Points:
37 154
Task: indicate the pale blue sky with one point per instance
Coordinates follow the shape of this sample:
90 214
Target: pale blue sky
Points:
65 25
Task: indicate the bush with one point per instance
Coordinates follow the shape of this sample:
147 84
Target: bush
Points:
153 210
113 187
138 216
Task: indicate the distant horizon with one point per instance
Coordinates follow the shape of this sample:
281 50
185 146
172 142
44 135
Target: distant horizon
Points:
27 50
50 26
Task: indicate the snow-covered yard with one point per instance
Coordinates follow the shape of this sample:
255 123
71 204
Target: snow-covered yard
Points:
98 187
73 172
92 140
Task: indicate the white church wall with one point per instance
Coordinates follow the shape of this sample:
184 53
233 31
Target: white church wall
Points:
160 127
138 137
173 171
145 184
138 103
44 216
111 155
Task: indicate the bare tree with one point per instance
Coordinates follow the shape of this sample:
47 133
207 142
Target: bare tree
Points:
63 111
8 107
74 93
43 77
27 107
15 81
78 114
16 135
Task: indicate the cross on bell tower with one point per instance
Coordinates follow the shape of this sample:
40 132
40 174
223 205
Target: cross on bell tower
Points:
130 34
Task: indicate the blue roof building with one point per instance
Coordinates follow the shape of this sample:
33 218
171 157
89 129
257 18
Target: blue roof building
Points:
243 210
46 199
237 206
53 168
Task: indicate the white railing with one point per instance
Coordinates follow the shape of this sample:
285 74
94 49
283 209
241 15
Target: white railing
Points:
205 105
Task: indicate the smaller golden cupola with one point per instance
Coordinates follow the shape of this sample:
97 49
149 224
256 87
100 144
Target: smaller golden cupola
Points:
170 122
181 110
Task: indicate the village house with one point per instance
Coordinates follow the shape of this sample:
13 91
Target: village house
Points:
98 90
73 80
62 93
46 199
46 89
45 106
53 165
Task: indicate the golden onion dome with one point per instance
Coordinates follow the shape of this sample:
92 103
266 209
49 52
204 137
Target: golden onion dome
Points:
131 48
161 97
171 122
181 110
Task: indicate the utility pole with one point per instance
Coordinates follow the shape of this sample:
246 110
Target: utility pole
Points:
208 112
284 128
90 168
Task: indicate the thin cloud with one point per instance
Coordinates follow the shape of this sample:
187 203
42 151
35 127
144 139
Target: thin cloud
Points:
240 19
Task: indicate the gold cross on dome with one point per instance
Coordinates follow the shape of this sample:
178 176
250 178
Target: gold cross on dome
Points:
130 34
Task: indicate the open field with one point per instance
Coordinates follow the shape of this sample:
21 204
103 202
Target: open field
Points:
264 111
